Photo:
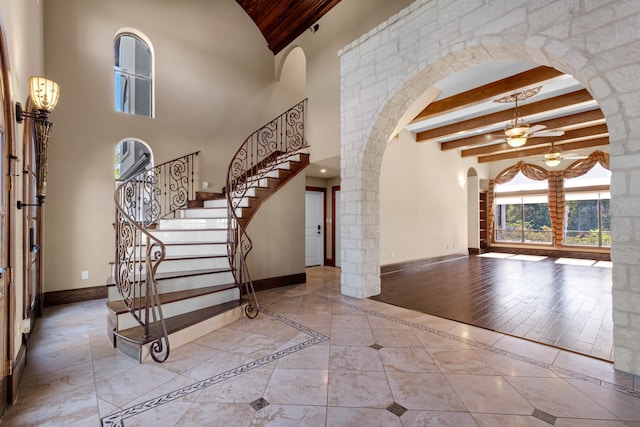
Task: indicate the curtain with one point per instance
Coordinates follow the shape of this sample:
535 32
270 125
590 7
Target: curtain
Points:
580 167
557 206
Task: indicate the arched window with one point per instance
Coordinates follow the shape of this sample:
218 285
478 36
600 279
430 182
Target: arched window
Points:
132 157
133 69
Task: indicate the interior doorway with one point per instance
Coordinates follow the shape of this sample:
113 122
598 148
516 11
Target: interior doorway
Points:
314 227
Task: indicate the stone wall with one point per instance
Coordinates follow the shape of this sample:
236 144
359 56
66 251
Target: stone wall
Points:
387 69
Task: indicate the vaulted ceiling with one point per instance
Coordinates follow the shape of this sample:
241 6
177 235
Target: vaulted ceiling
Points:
284 20
473 123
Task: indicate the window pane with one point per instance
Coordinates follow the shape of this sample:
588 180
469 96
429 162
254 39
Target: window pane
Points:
142 91
597 175
605 222
122 93
509 222
132 56
521 183
582 223
537 223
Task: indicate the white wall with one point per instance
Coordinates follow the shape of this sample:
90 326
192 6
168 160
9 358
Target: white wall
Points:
423 201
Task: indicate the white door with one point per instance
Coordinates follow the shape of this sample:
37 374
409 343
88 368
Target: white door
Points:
314 228
336 222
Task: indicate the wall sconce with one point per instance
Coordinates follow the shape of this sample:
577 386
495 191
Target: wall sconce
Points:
44 94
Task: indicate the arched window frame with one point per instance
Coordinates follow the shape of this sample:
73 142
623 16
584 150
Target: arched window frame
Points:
120 72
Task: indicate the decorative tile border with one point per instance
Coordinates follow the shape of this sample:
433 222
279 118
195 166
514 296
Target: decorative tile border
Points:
116 419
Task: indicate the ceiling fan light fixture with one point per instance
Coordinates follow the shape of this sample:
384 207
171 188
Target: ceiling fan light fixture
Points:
552 159
516 141
516 133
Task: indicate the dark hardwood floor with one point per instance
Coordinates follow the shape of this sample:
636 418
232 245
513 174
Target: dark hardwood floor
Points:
539 298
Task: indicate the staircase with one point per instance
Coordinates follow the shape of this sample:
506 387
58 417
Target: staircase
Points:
180 269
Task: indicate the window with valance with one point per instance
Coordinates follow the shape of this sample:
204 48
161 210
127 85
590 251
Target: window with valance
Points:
585 208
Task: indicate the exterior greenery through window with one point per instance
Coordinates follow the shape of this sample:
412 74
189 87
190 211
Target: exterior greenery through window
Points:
133 75
587 220
522 210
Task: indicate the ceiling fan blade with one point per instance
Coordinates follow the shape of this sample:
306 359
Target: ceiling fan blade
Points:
536 128
547 133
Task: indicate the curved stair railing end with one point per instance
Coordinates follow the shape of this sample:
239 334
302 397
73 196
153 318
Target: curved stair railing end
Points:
140 202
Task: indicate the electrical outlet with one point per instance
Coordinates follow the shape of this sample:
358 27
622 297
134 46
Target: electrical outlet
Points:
85 275
205 185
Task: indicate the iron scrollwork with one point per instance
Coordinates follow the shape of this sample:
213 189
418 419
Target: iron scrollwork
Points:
255 159
140 202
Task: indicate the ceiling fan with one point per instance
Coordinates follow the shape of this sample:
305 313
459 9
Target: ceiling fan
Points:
554 156
519 130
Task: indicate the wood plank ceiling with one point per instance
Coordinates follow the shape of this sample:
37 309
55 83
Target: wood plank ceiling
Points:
283 21
482 135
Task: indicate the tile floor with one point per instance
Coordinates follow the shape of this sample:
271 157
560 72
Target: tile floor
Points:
313 358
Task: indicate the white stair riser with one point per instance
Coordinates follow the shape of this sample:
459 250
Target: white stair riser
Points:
223 203
191 223
126 321
191 250
183 283
182 236
204 213
283 166
194 282
170 265
185 250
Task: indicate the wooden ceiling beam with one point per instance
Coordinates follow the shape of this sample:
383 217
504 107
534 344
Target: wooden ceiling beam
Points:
539 151
488 91
582 133
545 105
589 118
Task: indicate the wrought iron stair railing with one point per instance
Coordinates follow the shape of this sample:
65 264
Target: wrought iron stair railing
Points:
140 202
260 154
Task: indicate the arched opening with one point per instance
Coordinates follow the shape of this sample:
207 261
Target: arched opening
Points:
132 156
370 124
476 214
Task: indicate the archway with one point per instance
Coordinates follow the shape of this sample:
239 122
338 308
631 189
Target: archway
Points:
474 214
370 114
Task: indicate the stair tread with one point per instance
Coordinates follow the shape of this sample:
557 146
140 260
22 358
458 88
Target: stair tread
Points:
199 230
118 306
176 323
